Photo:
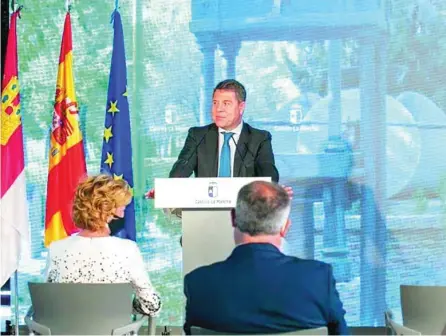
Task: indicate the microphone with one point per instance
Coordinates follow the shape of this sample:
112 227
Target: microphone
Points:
238 151
186 162
249 151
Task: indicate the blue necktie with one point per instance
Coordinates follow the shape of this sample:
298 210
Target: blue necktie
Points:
225 156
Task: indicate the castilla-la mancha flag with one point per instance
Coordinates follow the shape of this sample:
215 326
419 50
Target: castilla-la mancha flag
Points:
14 210
67 160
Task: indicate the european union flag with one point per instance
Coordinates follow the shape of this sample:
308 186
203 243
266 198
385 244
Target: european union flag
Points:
117 145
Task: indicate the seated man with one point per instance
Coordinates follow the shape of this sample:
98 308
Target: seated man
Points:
258 289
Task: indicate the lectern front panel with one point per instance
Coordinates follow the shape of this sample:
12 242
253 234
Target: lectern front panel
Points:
207 237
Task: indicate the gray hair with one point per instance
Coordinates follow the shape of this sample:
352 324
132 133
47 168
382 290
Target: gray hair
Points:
262 208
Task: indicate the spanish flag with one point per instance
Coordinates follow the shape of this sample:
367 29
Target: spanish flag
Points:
14 210
67 160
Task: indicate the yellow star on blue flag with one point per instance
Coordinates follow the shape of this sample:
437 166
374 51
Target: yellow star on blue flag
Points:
109 159
113 108
108 133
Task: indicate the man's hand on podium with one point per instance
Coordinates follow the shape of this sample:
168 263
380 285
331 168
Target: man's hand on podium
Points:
150 194
289 191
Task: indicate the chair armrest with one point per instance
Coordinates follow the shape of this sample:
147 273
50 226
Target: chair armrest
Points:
35 327
394 328
388 315
129 328
30 312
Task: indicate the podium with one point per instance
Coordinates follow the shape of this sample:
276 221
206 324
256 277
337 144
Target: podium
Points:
205 205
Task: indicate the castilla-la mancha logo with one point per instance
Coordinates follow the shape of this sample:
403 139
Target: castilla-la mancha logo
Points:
213 190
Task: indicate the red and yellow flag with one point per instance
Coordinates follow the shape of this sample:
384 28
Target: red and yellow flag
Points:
67 159
14 211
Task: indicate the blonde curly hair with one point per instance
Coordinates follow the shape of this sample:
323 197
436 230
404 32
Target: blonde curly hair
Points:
96 200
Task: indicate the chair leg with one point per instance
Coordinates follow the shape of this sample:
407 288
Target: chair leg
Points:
151 327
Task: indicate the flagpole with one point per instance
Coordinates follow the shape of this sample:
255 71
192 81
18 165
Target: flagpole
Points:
16 302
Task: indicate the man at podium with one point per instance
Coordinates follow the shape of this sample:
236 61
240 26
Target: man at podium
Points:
228 147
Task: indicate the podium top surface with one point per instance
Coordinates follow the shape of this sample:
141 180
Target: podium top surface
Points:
195 193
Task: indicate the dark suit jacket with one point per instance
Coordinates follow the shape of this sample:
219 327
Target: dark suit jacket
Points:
258 289
254 155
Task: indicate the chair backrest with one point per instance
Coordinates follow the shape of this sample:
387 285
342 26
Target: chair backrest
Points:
87 309
424 308
312 331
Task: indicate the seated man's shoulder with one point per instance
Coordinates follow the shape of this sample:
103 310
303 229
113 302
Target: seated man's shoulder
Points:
308 264
204 272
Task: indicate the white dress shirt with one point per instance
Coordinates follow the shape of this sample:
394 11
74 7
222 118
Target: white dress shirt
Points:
232 144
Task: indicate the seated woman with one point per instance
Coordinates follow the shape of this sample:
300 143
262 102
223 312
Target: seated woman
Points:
93 256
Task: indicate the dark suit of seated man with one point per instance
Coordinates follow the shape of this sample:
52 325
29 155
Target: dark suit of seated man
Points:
258 289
